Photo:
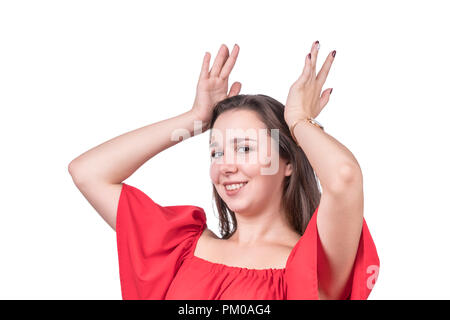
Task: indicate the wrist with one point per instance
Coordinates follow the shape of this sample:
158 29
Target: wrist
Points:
291 121
306 119
198 121
199 115
293 112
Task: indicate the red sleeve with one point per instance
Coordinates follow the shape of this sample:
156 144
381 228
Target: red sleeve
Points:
152 242
301 269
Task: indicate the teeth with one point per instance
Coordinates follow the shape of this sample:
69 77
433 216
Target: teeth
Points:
234 186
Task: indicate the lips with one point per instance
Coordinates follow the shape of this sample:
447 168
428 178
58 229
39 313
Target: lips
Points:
233 182
235 191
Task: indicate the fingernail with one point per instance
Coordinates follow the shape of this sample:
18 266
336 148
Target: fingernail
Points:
317 45
331 90
333 53
309 55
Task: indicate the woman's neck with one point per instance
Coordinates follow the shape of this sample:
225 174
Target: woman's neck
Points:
266 227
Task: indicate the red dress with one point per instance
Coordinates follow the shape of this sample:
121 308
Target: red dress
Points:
156 245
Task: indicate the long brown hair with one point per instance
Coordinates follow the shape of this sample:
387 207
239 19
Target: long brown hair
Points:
301 194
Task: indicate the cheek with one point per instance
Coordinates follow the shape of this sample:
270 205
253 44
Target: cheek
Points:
251 171
214 173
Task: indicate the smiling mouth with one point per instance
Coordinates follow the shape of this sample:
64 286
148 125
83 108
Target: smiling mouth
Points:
233 188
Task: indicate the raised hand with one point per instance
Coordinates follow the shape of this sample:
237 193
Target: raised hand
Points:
305 98
212 85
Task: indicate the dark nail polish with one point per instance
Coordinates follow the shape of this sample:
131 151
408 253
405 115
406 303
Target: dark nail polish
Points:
331 90
333 53
309 55
317 42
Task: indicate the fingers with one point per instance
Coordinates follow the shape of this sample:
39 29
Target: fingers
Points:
309 71
324 98
221 57
205 66
314 53
226 70
235 89
323 73
306 73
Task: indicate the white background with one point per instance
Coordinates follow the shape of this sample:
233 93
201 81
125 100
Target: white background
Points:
74 74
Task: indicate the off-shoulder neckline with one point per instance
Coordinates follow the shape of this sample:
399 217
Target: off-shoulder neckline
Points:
235 268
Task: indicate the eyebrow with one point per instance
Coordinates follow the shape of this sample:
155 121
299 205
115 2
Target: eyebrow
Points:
235 140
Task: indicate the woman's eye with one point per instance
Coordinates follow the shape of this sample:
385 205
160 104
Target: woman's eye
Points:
213 154
245 147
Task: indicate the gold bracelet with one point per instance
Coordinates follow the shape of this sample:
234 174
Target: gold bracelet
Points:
310 120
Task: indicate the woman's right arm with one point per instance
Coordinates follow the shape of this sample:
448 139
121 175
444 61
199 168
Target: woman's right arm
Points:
98 173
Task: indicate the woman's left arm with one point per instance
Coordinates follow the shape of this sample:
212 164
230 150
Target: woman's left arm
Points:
340 214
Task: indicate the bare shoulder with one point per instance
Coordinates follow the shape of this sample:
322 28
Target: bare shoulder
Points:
209 234
205 242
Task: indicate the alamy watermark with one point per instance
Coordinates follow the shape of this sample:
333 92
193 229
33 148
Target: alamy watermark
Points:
374 269
265 156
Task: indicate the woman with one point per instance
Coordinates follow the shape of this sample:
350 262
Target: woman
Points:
281 238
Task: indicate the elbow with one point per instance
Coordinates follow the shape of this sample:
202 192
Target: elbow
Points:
73 165
75 171
70 167
348 176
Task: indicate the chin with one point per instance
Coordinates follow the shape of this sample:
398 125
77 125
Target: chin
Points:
237 205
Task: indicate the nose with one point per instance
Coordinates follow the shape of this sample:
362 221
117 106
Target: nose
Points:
228 167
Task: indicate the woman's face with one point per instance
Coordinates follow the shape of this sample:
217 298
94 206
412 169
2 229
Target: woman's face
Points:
242 150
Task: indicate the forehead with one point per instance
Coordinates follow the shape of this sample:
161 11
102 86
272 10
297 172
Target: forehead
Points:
237 124
235 120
